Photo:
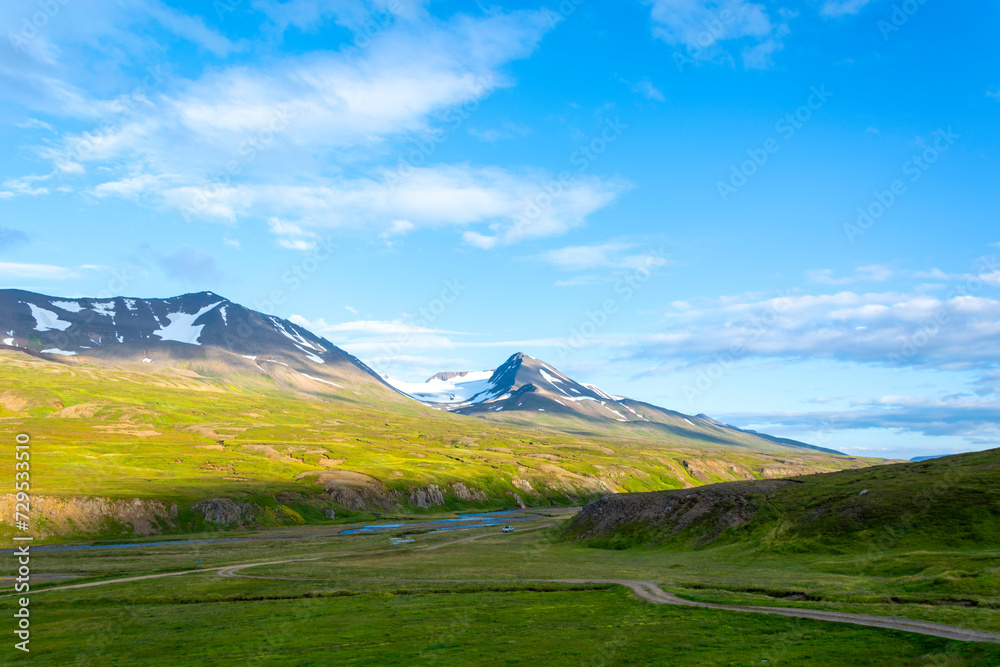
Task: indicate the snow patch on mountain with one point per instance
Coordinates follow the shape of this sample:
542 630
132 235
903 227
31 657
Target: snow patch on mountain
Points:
68 306
106 308
597 390
46 319
457 390
319 380
182 327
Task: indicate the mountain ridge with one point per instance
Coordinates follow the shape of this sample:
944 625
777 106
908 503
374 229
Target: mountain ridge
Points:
206 328
524 384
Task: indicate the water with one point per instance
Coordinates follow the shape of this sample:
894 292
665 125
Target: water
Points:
463 522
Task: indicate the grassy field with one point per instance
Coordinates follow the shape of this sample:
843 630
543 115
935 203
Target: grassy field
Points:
479 609
180 436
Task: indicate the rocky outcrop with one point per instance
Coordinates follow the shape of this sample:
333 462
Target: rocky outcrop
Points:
464 493
427 498
709 510
228 512
354 490
517 499
66 516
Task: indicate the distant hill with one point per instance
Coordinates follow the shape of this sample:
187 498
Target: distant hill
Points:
944 503
527 391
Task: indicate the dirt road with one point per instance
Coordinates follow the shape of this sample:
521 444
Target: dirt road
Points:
646 590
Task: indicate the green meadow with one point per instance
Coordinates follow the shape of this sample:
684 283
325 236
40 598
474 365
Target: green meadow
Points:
358 599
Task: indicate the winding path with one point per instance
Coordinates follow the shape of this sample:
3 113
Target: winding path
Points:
651 592
646 590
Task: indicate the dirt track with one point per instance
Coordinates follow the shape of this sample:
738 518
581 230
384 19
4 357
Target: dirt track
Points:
651 592
646 590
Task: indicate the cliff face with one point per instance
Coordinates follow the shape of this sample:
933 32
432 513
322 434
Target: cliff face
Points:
637 518
65 516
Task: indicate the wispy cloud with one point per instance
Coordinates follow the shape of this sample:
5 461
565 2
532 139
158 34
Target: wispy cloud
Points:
872 273
37 271
611 255
836 8
196 145
702 27
974 419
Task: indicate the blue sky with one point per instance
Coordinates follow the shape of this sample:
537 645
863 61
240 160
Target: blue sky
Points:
779 215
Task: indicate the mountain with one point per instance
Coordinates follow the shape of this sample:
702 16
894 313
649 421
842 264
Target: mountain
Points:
216 337
202 328
234 417
527 390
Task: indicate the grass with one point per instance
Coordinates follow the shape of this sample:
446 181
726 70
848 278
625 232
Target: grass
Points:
177 436
210 620
951 503
471 627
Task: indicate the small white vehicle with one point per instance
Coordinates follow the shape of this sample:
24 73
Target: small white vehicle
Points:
508 529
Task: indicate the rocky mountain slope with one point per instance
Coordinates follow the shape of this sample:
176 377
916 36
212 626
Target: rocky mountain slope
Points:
526 390
203 329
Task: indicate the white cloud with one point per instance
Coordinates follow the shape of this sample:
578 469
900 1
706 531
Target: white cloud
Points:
34 123
611 255
870 273
647 89
367 327
36 271
974 419
701 27
365 17
954 328
318 102
444 196
397 228
842 7
507 130
265 141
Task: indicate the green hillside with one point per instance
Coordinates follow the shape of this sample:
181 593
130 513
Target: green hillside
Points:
197 431
952 502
